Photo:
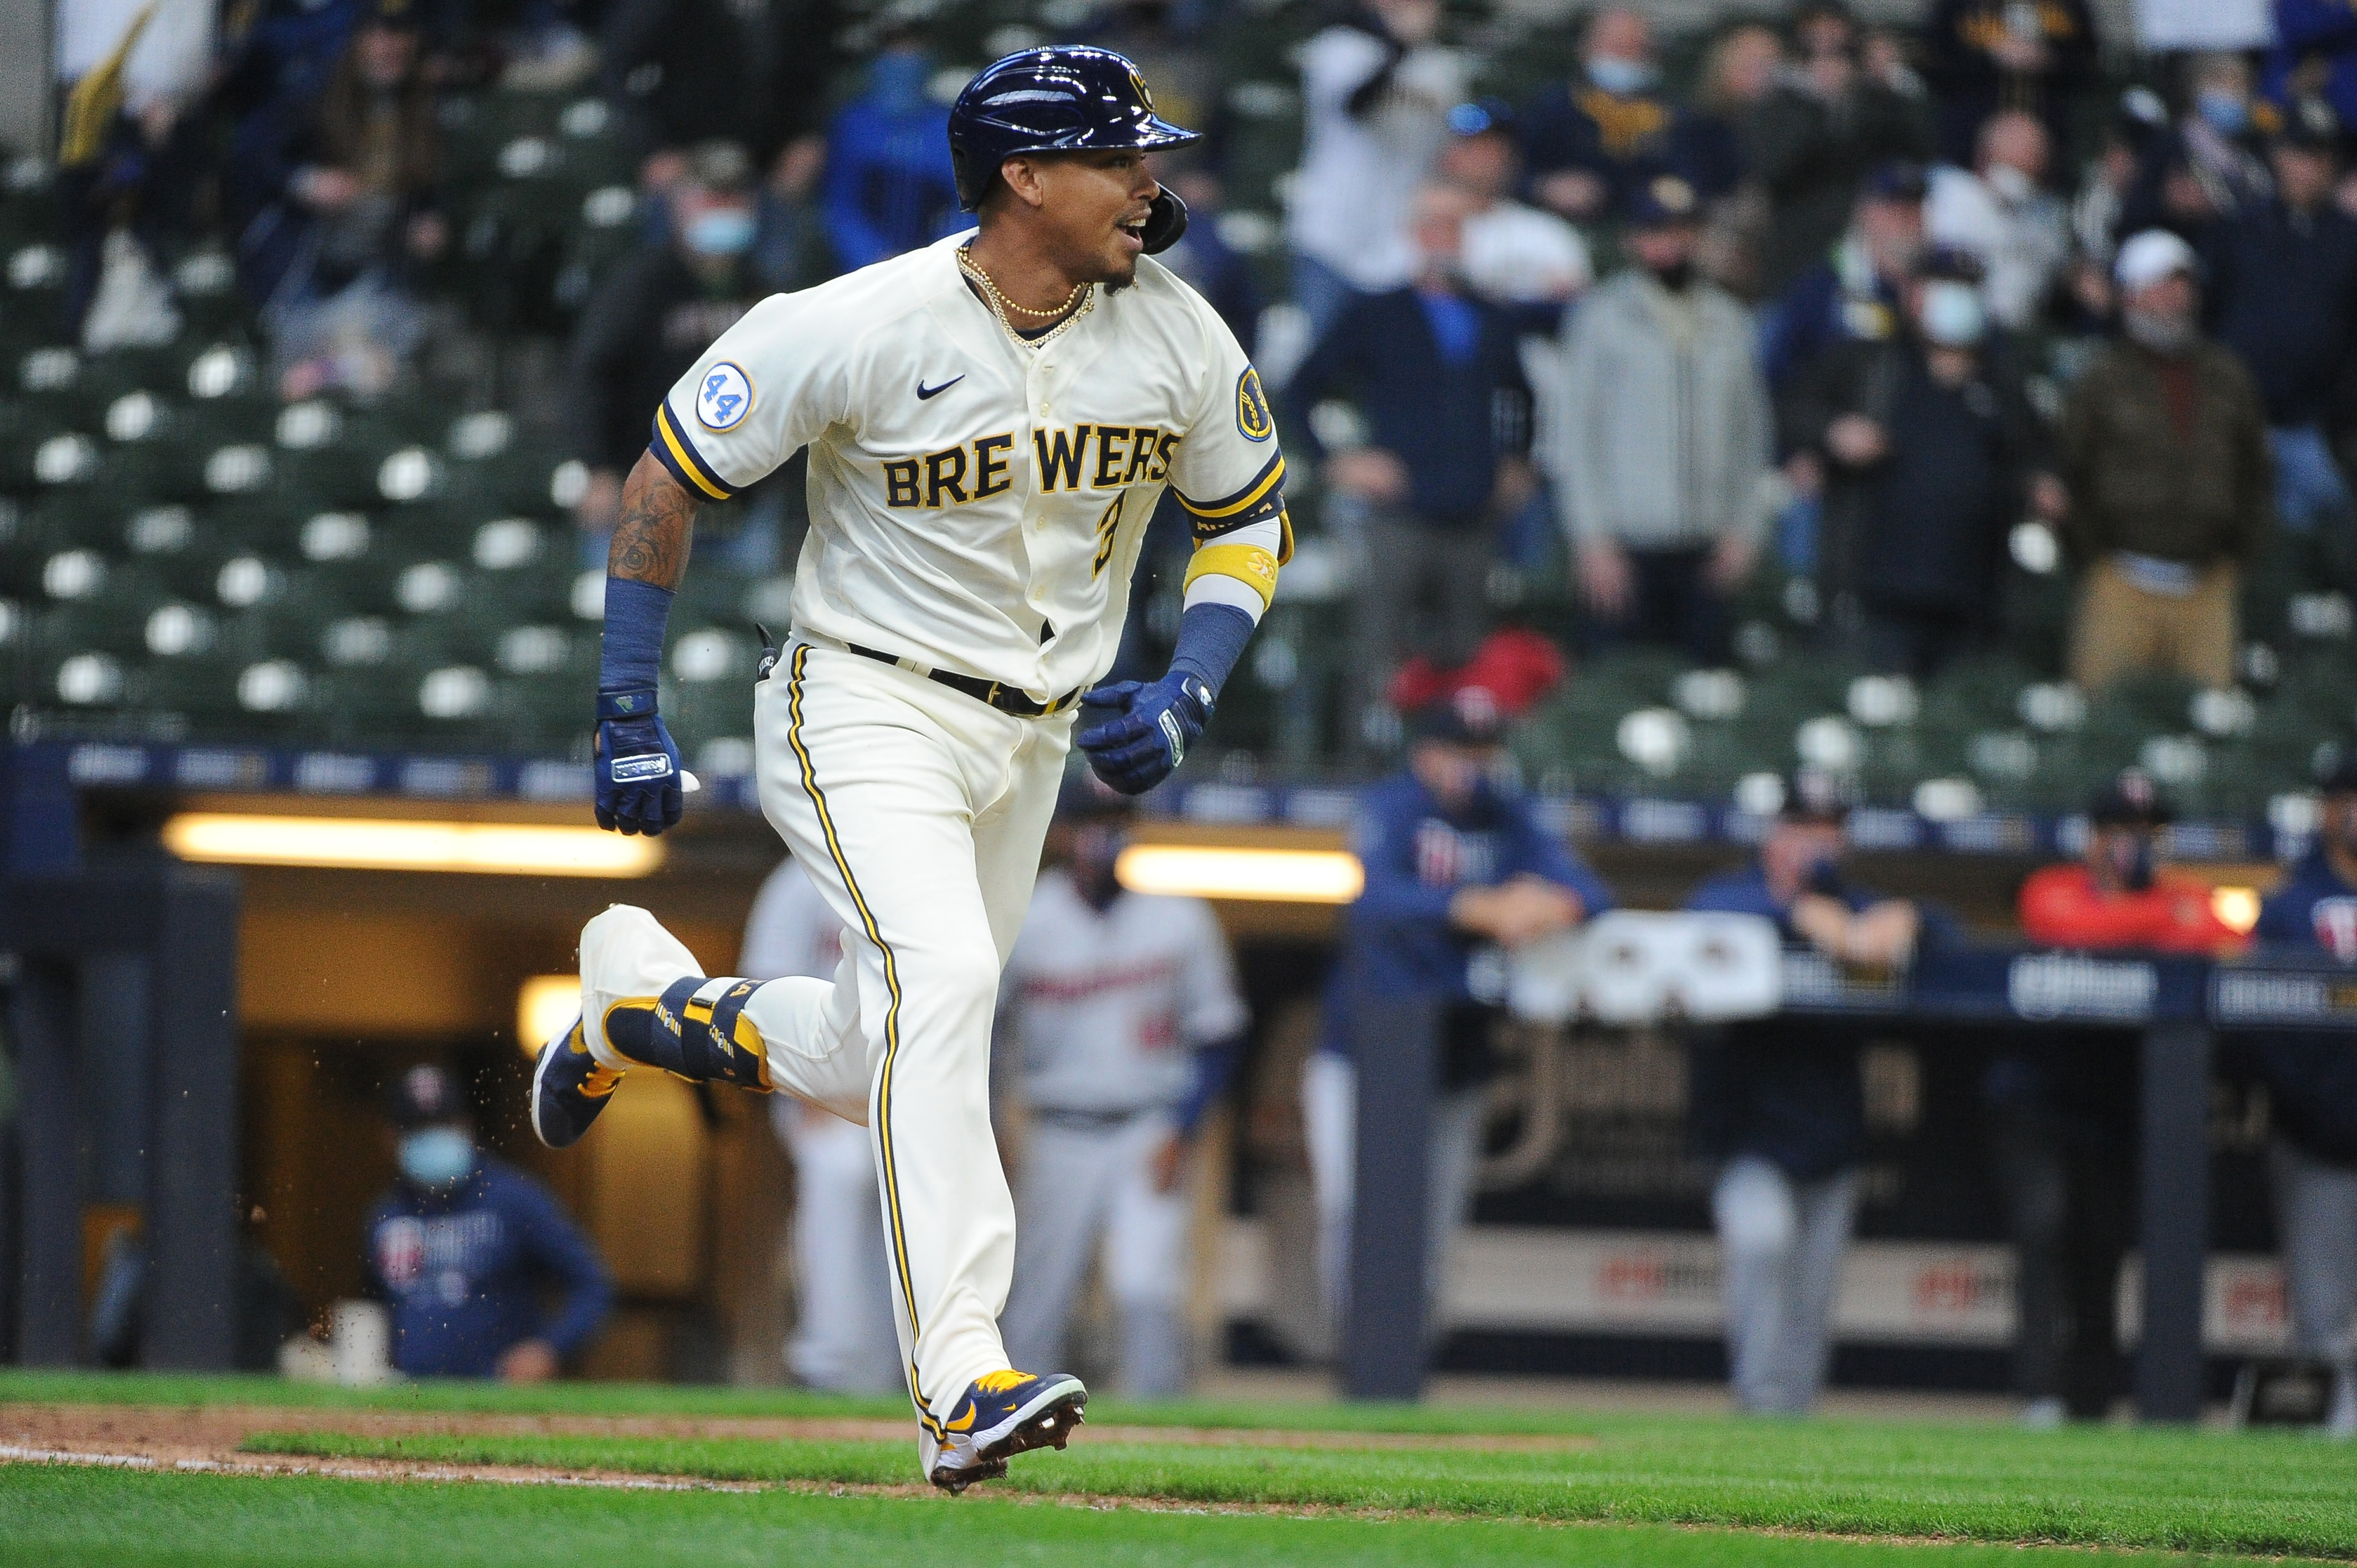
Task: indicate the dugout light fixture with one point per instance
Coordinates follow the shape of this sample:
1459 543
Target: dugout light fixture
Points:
361 843
1273 875
547 1006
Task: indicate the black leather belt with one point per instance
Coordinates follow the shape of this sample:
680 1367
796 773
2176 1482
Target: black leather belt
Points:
1004 698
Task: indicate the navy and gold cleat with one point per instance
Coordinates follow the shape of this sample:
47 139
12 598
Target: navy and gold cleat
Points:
569 1087
1003 1414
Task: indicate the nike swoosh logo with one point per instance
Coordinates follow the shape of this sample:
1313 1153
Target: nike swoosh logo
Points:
924 391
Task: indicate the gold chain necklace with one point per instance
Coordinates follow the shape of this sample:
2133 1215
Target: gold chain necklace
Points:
972 269
998 303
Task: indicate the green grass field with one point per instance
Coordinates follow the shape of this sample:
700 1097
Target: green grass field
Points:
1621 1490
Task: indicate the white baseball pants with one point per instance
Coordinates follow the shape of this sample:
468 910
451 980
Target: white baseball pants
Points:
1088 1190
918 812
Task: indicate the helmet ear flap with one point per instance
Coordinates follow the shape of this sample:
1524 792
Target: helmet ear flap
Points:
1166 223
971 184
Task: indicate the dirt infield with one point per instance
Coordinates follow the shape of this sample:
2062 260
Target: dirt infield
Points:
211 1436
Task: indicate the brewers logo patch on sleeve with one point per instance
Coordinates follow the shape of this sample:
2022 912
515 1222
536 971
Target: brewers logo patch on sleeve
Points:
1252 418
724 397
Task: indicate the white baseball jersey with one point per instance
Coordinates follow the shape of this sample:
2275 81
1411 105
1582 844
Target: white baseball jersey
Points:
976 504
1107 1006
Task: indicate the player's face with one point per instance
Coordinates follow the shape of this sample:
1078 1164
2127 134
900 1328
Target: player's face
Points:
1093 208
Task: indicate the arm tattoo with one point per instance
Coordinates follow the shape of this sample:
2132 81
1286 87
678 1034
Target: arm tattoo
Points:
650 542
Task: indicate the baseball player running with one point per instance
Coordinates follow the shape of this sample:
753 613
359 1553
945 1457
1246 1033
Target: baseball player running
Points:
1122 1012
990 420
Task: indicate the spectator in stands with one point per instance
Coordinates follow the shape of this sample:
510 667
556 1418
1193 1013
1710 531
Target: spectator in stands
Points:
692 71
1457 866
2282 284
1437 378
890 187
2104 185
462 1246
1778 1106
653 315
2062 1107
2315 53
356 213
2208 166
2163 453
1852 293
1663 433
2000 212
1929 449
1513 255
1987 57
129 158
1738 74
1828 125
1169 42
1588 139
2312 1082
1215 269
273 70
1376 91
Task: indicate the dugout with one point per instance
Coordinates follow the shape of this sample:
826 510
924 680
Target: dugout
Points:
343 974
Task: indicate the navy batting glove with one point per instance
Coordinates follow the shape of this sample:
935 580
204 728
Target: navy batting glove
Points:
637 766
1142 731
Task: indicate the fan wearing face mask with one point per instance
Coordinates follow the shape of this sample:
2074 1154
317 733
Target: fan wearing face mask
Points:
464 1243
655 312
1931 454
2001 212
1591 139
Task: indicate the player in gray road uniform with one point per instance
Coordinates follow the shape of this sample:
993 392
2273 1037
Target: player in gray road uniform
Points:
1122 1010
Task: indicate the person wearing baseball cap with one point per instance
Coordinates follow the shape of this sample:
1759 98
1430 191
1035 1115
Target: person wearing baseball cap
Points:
1512 254
2062 1105
2163 456
1931 453
462 1245
1663 432
2118 895
2311 1081
2283 286
1458 869
1776 1102
1853 292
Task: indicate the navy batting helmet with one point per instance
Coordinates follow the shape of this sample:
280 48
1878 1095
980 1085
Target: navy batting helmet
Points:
1061 99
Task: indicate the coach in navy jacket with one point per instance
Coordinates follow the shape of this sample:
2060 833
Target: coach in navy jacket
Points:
1777 1104
1455 865
463 1245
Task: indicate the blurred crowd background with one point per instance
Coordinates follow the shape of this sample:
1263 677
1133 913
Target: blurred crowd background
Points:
1868 390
